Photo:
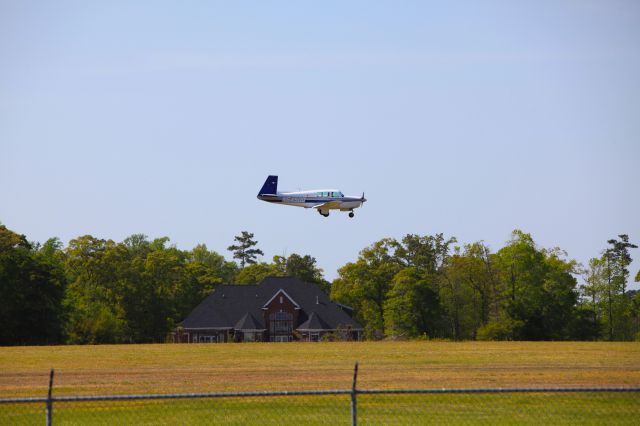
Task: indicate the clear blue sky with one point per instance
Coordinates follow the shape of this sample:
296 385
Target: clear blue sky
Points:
467 118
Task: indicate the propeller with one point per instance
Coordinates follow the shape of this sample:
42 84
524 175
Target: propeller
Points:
362 199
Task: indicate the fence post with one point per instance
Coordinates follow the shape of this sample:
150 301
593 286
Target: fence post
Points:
49 401
354 402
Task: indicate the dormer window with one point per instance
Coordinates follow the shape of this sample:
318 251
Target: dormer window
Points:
281 300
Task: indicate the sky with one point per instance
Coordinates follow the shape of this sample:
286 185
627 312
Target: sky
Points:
466 118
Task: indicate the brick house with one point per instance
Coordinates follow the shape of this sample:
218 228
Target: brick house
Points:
279 309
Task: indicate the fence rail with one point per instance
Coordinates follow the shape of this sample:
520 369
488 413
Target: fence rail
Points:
549 405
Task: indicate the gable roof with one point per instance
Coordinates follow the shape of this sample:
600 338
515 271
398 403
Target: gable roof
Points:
314 323
249 322
281 291
233 306
223 308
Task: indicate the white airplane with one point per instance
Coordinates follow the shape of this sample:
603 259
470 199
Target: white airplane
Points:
321 199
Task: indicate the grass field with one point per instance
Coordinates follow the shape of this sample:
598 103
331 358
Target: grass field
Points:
125 369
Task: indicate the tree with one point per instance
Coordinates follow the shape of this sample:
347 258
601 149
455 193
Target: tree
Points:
617 260
243 250
255 273
32 287
94 293
619 256
427 253
364 285
412 307
461 277
302 267
594 291
209 268
540 287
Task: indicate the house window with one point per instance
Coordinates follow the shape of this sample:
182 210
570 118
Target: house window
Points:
280 323
314 337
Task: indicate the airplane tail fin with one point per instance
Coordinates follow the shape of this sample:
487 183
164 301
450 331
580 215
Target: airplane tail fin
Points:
270 186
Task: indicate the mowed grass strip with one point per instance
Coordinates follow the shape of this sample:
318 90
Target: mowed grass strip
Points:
168 368
490 409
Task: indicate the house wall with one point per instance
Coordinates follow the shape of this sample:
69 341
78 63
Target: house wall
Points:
339 335
281 303
250 336
201 336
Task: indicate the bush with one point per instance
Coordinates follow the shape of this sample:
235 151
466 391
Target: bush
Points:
499 330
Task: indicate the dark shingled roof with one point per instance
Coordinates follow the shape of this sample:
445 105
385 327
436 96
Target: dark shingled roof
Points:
249 322
314 323
230 306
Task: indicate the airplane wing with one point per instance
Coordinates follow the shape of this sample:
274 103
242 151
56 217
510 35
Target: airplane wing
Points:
326 206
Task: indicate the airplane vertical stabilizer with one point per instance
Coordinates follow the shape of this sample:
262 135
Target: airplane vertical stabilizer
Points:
270 186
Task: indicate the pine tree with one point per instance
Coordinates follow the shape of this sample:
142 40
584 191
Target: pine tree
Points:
243 251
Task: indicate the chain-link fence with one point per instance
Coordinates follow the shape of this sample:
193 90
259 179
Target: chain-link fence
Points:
554 406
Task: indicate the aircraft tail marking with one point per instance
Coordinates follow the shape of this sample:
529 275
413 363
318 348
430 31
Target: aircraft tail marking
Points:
270 186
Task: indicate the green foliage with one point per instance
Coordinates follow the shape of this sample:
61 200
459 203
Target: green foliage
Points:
101 291
605 294
137 290
256 272
540 287
32 285
503 329
365 283
243 251
302 267
412 306
373 286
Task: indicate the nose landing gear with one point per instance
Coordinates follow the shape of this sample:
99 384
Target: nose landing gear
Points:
351 214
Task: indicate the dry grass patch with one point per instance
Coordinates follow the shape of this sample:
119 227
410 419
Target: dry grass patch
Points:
121 369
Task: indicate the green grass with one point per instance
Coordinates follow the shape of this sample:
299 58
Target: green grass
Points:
490 409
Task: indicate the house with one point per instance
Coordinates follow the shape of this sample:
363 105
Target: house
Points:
279 309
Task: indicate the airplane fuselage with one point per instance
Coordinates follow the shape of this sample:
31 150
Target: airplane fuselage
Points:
309 199
321 199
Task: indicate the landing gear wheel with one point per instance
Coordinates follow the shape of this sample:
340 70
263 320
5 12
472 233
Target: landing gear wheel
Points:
351 214
323 214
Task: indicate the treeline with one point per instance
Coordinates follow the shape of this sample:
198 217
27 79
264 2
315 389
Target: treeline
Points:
100 291
426 286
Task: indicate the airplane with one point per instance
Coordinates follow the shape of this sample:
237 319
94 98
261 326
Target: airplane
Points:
322 200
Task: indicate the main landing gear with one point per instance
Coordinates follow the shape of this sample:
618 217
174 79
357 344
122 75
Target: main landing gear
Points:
326 213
